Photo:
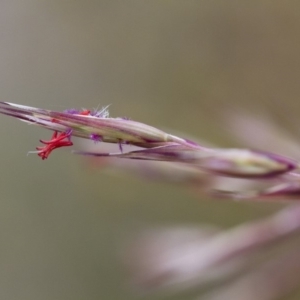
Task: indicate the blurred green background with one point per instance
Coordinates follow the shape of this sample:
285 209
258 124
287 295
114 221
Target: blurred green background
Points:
171 64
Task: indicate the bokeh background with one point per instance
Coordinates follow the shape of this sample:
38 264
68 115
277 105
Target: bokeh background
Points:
177 65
